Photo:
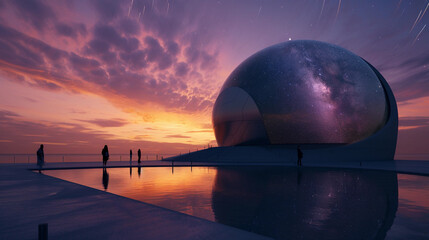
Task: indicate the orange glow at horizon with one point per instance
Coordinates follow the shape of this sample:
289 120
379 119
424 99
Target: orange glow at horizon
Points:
149 124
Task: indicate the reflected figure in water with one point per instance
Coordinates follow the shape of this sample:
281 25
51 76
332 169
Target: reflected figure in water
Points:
40 158
325 204
139 171
298 176
105 154
139 155
131 164
300 155
105 178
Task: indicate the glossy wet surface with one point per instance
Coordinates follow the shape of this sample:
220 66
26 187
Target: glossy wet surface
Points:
279 202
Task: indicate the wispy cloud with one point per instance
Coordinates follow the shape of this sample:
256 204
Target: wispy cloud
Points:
107 122
176 136
71 138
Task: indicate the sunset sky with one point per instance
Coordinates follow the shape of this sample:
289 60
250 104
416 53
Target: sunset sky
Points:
76 75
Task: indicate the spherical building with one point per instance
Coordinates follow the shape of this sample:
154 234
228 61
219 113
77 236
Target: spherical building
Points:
305 92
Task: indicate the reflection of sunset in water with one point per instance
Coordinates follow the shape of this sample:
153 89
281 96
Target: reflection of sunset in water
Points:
191 191
414 193
315 201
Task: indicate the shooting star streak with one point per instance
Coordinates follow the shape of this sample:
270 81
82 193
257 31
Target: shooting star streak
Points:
321 11
131 6
415 22
153 3
403 11
418 35
338 9
424 12
142 12
168 6
259 12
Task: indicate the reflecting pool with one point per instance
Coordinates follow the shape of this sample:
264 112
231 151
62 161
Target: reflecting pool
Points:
279 202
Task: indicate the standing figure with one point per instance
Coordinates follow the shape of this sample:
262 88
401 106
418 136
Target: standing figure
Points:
105 153
300 154
139 154
40 158
131 156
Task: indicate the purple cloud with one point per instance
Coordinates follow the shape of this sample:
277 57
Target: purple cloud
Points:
144 69
88 69
97 46
32 54
181 69
173 48
412 87
208 61
47 85
11 49
129 26
35 12
6 115
156 53
110 35
116 122
70 30
65 30
413 121
108 9
79 62
135 60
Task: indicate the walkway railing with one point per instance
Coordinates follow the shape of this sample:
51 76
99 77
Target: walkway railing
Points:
32 158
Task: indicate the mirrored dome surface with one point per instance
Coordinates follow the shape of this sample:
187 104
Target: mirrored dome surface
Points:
305 92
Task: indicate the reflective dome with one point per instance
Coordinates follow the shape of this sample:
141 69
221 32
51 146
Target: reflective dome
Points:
300 92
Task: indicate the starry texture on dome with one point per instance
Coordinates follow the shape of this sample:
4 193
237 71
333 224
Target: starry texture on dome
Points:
309 92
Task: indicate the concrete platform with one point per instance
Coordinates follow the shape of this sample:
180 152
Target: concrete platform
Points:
313 153
286 155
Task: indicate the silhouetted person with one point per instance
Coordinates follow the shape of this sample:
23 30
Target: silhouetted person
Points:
139 154
105 153
300 154
105 178
131 155
40 158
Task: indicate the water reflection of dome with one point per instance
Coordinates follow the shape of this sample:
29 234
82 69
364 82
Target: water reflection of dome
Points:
300 92
311 204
